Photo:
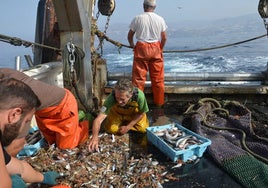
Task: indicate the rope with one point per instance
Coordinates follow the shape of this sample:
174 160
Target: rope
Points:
216 47
243 139
118 44
102 35
226 112
18 42
216 103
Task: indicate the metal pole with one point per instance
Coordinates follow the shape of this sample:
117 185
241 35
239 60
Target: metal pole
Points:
18 63
198 76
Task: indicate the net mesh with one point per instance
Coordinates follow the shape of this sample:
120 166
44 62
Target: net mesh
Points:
248 171
235 146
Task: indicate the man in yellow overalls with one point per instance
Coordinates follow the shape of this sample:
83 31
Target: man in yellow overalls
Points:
124 109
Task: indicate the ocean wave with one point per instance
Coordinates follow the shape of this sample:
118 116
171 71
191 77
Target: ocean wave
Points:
195 63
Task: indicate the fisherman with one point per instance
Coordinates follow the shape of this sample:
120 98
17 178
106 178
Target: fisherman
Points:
124 110
57 117
150 30
18 104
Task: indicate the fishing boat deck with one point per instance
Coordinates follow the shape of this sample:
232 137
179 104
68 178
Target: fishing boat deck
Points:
203 172
200 173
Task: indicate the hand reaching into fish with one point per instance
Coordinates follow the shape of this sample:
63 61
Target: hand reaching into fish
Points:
93 144
123 130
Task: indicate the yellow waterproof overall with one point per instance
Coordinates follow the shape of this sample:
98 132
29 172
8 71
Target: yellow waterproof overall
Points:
119 115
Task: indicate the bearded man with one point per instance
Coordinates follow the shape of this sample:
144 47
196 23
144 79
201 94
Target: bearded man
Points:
18 104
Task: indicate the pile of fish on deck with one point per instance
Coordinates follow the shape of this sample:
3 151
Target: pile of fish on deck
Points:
112 166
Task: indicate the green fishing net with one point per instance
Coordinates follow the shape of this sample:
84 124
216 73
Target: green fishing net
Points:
248 171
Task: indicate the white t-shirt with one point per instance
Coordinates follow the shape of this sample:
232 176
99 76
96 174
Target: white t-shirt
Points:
148 27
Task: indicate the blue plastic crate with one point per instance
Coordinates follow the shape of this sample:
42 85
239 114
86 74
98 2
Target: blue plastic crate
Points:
189 153
32 149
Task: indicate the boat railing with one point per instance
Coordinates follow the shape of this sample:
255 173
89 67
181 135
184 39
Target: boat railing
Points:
198 76
189 85
183 86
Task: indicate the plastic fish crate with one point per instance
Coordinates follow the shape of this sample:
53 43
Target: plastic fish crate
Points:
30 150
189 153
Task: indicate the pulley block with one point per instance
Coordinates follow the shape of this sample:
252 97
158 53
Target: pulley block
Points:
106 7
263 8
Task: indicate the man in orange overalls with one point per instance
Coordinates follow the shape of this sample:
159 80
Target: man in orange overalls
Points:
57 117
150 30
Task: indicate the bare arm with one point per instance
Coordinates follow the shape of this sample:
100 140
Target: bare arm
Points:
16 145
28 174
94 141
5 178
136 119
163 39
130 38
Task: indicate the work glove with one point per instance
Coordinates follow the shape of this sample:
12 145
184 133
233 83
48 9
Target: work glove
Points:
17 181
50 177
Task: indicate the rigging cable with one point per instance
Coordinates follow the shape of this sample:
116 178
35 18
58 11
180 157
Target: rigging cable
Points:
217 47
120 45
18 42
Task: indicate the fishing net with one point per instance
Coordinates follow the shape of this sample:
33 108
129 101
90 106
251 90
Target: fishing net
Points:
235 146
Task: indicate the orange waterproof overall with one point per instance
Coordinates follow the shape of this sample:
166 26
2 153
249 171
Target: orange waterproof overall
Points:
60 125
122 115
149 57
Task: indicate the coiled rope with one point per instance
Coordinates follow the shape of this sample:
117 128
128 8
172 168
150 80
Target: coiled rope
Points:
225 113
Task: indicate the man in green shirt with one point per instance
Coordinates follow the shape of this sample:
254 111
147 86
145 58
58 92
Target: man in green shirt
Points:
125 109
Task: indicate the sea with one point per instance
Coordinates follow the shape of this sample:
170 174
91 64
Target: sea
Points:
250 56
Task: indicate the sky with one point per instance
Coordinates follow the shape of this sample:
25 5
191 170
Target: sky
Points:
18 17
173 10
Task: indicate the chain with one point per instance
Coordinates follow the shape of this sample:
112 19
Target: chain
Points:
265 25
71 58
101 38
97 15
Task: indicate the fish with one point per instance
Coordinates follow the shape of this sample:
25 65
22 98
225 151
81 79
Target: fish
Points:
181 142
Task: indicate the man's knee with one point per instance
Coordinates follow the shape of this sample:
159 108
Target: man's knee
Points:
112 129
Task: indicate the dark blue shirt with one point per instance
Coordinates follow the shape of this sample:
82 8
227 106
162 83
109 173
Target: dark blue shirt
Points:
6 155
